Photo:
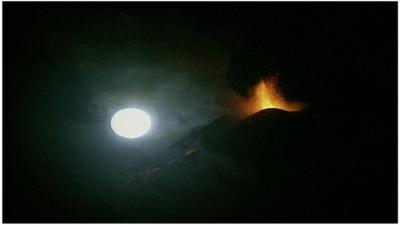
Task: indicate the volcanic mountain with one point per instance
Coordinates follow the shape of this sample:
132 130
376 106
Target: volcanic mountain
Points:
272 166
235 170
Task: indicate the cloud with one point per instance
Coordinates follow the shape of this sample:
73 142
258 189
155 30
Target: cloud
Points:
179 88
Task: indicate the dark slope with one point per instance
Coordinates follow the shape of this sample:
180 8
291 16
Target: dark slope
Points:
274 166
260 169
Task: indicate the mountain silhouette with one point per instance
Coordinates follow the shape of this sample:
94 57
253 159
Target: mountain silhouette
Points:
255 169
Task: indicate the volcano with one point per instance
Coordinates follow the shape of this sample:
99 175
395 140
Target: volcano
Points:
272 166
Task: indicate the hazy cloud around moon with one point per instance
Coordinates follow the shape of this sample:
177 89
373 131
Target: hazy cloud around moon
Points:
178 84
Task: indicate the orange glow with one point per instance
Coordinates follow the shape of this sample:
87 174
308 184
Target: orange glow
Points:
264 95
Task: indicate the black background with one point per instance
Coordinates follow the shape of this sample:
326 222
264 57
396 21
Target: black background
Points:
340 57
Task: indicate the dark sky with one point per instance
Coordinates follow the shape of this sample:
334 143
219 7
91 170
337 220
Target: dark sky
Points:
69 66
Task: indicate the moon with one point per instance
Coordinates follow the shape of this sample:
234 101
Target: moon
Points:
130 123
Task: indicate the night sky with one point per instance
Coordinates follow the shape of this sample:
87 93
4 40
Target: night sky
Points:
68 67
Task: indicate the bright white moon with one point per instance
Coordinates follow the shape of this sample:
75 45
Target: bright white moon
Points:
130 123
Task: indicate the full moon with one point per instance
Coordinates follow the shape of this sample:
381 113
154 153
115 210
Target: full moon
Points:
130 123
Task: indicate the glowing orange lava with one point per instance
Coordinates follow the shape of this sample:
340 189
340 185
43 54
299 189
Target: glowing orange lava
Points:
266 95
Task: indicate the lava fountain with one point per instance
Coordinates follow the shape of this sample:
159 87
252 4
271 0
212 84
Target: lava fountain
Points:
264 95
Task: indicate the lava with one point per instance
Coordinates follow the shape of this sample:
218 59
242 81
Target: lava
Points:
264 95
